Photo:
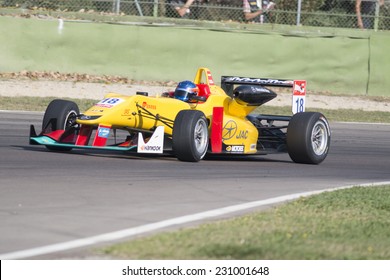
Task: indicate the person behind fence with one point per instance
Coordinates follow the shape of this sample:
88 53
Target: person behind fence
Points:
365 13
257 10
180 8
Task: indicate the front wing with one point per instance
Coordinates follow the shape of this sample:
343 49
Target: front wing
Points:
58 140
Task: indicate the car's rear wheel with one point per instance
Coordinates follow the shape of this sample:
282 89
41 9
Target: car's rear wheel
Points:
59 115
308 138
190 137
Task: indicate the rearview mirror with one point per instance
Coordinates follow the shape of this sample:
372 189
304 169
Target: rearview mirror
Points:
198 98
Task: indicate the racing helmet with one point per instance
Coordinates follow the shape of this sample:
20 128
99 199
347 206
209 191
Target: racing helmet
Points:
185 90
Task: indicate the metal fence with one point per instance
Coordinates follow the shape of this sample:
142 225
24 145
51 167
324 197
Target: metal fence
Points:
324 13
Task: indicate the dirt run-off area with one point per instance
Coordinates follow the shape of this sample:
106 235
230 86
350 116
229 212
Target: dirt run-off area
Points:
84 86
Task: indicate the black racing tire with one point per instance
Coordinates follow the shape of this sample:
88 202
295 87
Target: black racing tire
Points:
308 138
190 137
59 115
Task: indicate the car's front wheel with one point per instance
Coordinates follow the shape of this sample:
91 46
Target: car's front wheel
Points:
308 138
190 137
59 115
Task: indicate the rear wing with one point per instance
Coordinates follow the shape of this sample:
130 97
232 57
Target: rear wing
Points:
298 88
228 82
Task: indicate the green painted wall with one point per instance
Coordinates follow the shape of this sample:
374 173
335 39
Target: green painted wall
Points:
357 64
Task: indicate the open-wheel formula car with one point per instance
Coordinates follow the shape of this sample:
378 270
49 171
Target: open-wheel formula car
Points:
218 120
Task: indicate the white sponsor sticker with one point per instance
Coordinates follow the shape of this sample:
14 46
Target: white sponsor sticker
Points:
299 95
109 102
154 145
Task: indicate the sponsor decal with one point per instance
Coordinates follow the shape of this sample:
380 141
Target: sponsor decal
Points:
242 134
126 112
152 149
259 81
326 123
229 130
298 98
210 78
154 144
299 88
109 102
148 106
235 149
103 132
260 90
104 105
252 147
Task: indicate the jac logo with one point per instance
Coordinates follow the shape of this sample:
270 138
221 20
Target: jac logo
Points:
148 106
242 134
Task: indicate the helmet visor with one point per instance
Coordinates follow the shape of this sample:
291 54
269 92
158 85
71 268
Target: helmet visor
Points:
182 94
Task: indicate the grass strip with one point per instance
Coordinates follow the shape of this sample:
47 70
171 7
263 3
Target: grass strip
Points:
27 103
345 224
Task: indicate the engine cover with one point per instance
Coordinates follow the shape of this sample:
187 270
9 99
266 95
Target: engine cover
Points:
253 95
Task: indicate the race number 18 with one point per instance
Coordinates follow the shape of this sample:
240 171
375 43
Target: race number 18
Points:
299 94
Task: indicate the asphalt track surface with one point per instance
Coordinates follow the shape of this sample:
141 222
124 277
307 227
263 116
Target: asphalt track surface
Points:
51 198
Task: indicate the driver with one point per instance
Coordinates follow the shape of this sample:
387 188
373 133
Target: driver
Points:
185 90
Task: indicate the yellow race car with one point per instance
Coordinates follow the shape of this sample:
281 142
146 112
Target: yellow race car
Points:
215 120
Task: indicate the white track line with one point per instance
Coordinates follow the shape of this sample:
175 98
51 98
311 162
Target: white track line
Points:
126 233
